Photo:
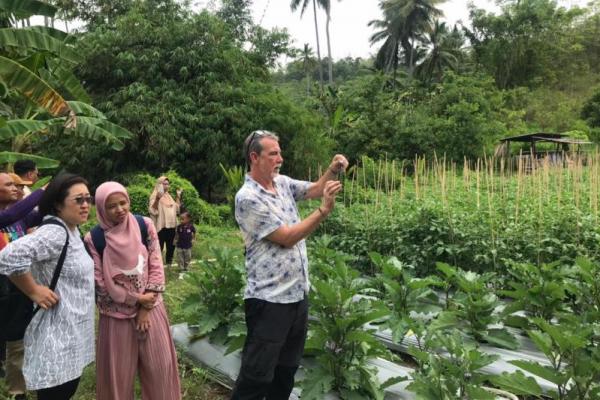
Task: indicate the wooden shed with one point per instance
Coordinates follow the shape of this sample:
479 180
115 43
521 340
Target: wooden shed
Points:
563 144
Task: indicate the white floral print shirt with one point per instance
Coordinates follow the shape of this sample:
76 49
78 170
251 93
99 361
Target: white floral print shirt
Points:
274 273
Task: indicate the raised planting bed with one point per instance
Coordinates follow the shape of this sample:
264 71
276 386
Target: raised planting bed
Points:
226 367
496 368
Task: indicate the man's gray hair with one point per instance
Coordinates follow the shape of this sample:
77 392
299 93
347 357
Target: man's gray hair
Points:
252 143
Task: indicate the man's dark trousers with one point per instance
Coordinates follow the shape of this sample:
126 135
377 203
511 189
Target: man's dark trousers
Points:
273 349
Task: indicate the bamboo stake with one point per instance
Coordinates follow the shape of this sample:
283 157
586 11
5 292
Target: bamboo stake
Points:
478 183
417 190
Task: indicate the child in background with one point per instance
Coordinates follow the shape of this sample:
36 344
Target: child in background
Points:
184 236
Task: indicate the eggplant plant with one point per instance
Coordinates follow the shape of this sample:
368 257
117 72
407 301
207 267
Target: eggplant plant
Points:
216 308
541 291
572 350
339 341
587 301
449 368
473 307
405 294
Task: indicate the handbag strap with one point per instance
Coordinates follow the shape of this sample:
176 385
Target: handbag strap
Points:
61 258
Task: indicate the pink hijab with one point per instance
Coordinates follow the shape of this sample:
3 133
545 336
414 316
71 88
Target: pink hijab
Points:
123 241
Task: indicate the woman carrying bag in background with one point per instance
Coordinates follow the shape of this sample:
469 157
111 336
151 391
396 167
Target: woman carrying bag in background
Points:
164 210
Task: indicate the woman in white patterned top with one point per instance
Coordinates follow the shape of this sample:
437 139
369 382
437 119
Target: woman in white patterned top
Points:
59 341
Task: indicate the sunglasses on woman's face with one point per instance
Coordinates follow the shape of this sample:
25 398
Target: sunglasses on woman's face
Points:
83 199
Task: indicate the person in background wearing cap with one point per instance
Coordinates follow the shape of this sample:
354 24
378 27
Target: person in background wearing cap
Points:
28 172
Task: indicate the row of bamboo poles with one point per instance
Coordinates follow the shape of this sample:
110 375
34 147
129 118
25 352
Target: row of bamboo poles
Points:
486 179
520 185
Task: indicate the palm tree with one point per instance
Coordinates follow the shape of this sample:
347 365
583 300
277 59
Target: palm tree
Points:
404 22
308 64
444 50
326 4
303 4
387 58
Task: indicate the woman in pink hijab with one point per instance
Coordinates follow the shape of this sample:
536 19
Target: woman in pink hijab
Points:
133 330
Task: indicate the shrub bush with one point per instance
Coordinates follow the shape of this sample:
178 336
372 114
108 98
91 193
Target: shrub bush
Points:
140 187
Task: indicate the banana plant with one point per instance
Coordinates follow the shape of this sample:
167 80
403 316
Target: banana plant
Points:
36 77
15 10
235 180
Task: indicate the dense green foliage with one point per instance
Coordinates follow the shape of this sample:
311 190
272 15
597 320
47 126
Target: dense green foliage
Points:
531 41
530 68
464 115
190 93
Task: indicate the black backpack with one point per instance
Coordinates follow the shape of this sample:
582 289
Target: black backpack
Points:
97 234
16 309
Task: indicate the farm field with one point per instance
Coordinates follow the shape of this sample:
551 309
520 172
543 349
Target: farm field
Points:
487 276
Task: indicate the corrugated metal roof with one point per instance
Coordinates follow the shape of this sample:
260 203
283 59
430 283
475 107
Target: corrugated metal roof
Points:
545 137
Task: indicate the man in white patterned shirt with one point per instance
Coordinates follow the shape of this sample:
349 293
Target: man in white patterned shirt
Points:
276 304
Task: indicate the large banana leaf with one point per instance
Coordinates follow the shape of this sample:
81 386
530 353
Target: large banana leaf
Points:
86 110
17 127
95 129
113 129
34 61
33 87
96 133
41 162
27 39
62 76
53 32
25 8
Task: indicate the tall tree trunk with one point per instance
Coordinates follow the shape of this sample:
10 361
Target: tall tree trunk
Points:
318 46
395 64
411 64
408 51
330 61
